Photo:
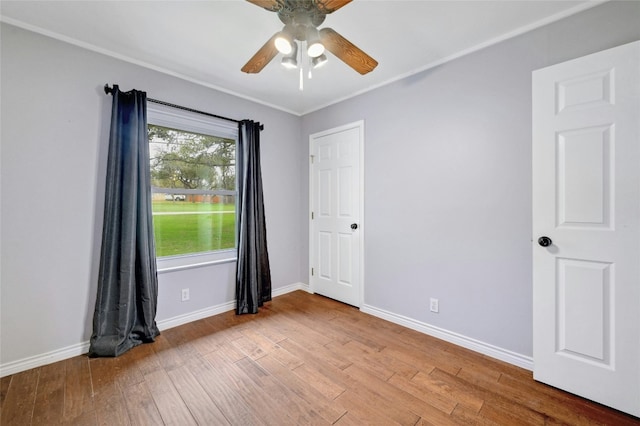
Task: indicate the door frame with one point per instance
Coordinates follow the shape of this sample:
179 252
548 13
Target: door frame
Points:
361 222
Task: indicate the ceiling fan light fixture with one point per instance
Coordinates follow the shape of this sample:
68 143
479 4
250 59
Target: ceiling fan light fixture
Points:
319 61
290 61
284 42
314 47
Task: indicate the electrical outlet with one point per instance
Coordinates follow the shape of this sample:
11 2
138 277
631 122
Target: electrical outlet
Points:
185 294
433 305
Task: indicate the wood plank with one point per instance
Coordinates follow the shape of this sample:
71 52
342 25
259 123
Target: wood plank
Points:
295 407
78 392
318 381
270 408
5 382
286 358
359 390
21 395
431 353
325 406
145 359
233 407
228 325
421 340
168 356
87 418
203 409
398 397
355 331
126 366
444 385
167 399
305 323
465 416
107 396
140 405
269 328
358 353
253 347
349 419
318 352
49 402
208 340
299 327
497 411
368 413
482 365
496 405
256 345
182 340
412 357
102 375
426 395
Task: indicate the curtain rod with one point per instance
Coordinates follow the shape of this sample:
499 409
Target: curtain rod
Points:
108 90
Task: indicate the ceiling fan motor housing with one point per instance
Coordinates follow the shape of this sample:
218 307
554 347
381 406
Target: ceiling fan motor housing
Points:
299 15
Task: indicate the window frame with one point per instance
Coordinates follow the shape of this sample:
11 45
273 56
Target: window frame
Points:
165 116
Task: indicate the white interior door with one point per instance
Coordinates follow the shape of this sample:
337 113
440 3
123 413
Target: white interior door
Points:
586 200
336 200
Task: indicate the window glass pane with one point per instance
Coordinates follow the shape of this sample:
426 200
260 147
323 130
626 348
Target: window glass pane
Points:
193 179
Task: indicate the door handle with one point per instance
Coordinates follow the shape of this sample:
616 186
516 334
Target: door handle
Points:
354 226
545 241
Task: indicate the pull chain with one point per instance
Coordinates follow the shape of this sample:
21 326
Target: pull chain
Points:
301 79
301 86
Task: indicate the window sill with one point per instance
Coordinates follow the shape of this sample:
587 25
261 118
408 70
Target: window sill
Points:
180 263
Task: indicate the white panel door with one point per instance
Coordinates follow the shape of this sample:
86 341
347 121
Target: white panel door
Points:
586 202
336 200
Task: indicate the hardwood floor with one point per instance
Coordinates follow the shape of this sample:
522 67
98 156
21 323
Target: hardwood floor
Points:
304 359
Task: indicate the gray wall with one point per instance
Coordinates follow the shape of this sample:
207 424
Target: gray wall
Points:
448 179
55 119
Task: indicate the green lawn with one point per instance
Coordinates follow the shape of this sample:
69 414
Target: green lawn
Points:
193 233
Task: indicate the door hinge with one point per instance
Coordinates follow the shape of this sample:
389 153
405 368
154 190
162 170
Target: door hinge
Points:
311 215
311 156
311 271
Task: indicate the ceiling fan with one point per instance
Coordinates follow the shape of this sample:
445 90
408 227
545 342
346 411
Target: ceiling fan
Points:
301 19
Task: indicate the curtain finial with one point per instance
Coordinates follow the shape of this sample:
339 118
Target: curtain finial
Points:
109 90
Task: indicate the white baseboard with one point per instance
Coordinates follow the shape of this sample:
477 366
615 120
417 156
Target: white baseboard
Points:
168 323
17 366
218 309
14 367
505 355
289 288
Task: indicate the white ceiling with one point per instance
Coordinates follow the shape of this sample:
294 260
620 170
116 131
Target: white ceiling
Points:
209 41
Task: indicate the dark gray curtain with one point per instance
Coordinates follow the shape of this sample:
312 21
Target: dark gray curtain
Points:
127 281
253 277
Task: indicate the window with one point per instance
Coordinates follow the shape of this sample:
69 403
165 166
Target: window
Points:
193 178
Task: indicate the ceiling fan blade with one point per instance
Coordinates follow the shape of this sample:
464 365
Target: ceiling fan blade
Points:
262 57
328 6
272 5
347 52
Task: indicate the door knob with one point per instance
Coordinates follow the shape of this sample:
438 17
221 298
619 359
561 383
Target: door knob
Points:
354 226
545 241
